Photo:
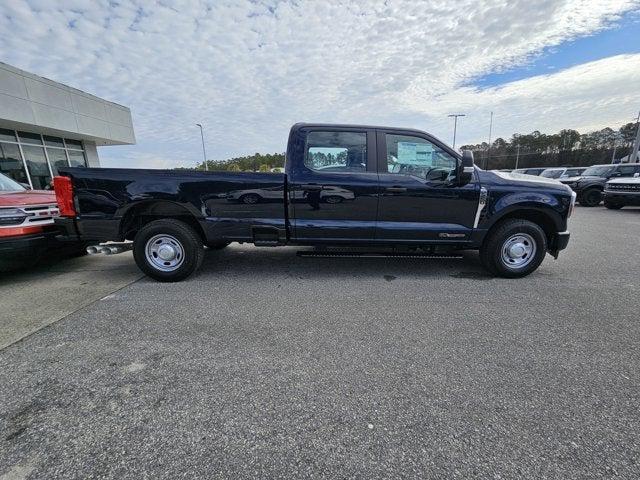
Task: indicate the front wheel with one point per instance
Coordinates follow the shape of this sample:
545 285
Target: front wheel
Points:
168 250
591 197
514 249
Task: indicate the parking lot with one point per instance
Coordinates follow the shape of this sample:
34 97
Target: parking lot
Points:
273 366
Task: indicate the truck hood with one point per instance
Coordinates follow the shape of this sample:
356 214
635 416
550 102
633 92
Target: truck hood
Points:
28 197
530 180
626 180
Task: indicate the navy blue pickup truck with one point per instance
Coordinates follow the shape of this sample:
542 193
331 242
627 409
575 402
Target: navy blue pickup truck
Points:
344 186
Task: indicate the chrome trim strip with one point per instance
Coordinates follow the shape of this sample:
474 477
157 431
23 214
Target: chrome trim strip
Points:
482 202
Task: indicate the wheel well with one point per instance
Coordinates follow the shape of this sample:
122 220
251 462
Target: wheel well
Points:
541 219
147 212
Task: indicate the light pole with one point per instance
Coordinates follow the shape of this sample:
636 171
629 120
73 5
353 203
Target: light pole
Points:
486 163
204 152
636 145
455 125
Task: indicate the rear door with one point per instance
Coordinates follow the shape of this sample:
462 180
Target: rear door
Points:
419 201
333 189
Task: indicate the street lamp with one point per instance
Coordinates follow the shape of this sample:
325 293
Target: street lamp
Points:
455 125
204 152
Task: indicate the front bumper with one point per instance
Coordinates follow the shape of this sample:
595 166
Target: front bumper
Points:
625 198
23 245
559 241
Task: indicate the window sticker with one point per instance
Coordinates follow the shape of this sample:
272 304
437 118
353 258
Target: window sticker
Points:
411 153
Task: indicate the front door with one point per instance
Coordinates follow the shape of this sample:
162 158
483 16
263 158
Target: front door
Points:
419 199
333 190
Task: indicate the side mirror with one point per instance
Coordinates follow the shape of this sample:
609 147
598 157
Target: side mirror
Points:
636 175
25 185
465 170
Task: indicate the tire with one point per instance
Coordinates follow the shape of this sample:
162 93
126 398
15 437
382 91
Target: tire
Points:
514 248
612 206
218 246
591 197
250 199
333 199
168 250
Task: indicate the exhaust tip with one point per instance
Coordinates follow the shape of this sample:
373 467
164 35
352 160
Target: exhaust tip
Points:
105 250
92 250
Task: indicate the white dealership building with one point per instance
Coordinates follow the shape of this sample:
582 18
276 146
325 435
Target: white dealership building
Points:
45 125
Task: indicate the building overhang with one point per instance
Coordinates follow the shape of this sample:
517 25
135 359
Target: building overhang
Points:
36 104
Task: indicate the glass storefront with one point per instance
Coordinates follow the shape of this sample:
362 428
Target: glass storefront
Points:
32 159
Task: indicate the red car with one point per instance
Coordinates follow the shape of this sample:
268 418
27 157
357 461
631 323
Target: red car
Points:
26 222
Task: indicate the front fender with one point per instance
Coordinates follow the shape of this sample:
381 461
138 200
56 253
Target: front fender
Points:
554 207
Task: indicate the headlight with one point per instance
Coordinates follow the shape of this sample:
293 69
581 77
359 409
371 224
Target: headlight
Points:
12 216
573 203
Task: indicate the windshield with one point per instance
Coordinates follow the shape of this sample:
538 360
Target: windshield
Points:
597 171
552 173
9 185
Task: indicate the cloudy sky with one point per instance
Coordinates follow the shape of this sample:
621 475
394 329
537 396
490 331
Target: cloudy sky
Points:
247 70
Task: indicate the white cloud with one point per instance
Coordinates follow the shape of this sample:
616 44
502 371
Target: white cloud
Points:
249 69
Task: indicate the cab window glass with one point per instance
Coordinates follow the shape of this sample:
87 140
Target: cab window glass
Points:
408 155
336 151
626 170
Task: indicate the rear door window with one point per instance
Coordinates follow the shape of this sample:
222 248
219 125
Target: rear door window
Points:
336 152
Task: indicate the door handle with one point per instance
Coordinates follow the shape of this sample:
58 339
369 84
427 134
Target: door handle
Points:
311 187
395 189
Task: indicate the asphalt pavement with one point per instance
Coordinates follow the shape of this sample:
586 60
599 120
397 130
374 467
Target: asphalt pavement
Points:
266 365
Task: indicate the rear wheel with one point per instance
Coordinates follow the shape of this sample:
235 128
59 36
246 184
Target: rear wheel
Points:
514 248
168 250
591 197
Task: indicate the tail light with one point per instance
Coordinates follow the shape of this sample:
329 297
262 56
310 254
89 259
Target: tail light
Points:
64 196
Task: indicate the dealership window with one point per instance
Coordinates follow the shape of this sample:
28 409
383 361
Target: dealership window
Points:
37 166
42 155
11 162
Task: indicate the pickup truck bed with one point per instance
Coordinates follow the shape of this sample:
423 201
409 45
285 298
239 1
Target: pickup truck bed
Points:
226 205
343 185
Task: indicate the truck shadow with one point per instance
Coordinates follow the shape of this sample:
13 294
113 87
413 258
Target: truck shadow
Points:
240 260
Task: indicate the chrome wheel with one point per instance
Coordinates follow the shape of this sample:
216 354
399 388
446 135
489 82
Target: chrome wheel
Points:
518 250
164 252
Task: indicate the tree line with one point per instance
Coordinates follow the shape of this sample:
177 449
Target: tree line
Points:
563 149
257 162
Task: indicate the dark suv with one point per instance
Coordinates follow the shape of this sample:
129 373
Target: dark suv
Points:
590 185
